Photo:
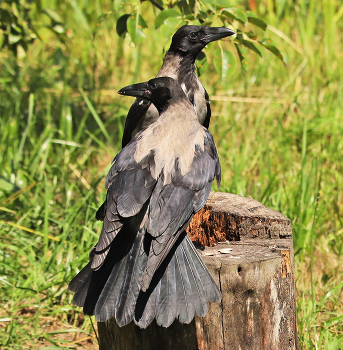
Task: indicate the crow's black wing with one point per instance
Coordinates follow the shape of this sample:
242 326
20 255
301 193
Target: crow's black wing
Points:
134 118
206 123
129 185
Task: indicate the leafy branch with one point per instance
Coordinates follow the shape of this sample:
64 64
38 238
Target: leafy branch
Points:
205 12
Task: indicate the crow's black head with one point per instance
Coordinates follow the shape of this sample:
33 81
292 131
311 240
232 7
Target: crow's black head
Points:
159 91
192 39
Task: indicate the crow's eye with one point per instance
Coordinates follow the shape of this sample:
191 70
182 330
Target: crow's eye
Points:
153 85
193 35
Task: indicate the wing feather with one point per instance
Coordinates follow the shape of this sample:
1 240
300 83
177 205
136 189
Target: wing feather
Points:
207 120
134 119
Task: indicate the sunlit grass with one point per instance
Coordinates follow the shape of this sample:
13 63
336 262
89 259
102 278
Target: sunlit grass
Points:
278 130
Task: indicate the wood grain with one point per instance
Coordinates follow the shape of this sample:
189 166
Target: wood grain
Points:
227 216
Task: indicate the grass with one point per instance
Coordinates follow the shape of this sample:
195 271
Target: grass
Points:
278 131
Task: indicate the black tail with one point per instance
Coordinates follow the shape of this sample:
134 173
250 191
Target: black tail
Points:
180 289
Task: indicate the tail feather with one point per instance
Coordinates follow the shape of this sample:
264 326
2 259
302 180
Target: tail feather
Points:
130 286
105 306
211 289
167 307
185 302
150 301
80 284
198 293
180 289
117 255
125 310
147 303
122 274
82 277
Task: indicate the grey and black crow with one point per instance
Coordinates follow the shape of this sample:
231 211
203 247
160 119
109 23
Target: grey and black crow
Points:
178 63
144 266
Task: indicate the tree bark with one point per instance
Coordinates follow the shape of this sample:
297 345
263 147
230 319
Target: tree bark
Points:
248 249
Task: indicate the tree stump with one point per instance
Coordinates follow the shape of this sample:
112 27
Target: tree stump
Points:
248 248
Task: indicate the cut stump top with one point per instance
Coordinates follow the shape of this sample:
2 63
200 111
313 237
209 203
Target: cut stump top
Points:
229 217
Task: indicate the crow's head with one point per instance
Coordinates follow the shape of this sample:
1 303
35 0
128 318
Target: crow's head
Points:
192 39
159 91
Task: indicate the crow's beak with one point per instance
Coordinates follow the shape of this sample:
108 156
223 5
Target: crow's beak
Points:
216 33
136 90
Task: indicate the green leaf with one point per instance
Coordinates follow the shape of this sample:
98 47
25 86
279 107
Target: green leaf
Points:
223 3
225 63
249 45
164 15
118 4
12 39
235 14
15 9
58 28
191 18
201 63
98 23
253 19
271 46
2 38
211 4
54 16
258 23
204 19
186 7
170 26
250 14
267 41
135 28
242 53
251 35
122 25
17 28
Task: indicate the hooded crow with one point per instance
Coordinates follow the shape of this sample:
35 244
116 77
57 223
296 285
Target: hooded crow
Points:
178 64
144 266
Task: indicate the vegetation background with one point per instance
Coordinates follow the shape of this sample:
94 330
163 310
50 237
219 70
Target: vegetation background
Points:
278 130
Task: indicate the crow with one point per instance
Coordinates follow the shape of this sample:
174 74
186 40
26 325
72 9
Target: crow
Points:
144 266
178 63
